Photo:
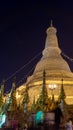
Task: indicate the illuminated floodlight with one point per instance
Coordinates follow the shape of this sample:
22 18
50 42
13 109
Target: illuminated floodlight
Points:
52 86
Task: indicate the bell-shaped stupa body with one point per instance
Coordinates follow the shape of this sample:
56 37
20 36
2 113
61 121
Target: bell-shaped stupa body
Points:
52 61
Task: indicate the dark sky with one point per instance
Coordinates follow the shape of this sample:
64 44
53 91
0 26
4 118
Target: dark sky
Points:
22 34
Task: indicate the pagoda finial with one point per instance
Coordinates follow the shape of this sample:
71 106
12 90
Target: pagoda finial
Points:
51 24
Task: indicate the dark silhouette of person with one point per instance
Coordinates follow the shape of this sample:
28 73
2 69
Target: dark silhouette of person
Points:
58 116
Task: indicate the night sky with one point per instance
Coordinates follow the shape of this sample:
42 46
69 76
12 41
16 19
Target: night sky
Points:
23 31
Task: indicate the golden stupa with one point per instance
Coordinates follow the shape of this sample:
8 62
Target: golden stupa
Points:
56 69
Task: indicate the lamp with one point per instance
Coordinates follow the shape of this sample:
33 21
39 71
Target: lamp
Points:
52 87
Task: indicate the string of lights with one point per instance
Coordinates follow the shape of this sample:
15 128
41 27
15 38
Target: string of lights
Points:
32 68
71 59
26 76
13 75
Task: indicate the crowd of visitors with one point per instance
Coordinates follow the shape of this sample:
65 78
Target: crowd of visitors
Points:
58 119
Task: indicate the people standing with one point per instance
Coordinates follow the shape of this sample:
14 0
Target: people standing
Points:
24 128
58 116
69 125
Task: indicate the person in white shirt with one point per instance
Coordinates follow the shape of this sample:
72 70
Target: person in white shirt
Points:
69 125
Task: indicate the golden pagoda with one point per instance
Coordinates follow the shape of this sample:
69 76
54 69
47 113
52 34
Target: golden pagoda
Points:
56 69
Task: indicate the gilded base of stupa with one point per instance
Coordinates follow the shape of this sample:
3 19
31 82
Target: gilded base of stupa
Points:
35 90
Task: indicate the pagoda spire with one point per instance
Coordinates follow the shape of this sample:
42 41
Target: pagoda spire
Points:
62 97
2 95
8 100
62 93
2 88
43 98
13 104
25 100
